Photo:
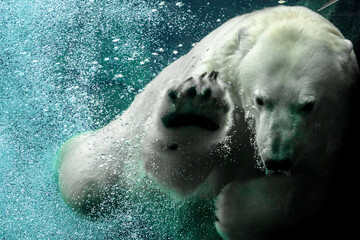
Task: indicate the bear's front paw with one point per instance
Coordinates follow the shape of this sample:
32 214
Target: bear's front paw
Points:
198 102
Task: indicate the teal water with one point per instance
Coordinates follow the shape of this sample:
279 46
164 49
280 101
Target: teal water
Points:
70 66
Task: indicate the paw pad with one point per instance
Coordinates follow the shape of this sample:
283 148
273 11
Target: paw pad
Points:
197 101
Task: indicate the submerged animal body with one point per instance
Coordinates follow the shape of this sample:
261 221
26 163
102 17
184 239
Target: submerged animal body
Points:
254 114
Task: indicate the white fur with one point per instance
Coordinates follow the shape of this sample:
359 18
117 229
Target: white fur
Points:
288 57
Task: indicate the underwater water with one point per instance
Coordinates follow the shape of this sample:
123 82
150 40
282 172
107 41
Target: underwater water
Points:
70 66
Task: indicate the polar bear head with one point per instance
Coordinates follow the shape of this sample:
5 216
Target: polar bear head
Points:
294 75
294 79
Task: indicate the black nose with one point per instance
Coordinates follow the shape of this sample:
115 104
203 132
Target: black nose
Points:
278 164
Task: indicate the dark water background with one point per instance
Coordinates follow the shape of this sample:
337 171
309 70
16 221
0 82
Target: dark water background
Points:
68 66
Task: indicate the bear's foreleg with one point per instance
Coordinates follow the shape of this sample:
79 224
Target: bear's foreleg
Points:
194 119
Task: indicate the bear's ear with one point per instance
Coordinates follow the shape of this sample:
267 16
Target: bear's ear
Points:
348 47
242 34
347 59
245 42
346 51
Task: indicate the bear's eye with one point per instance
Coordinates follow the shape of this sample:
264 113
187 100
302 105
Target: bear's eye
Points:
259 101
307 107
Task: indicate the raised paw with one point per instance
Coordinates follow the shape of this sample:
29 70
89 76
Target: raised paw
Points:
200 101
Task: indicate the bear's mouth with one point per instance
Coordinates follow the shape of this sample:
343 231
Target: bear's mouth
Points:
177 120
278 173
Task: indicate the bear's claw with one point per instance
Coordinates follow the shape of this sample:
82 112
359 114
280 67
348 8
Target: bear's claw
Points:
213 76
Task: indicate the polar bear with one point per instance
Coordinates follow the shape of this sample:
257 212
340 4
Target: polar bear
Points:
255 112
